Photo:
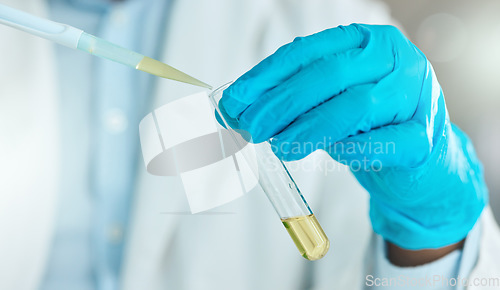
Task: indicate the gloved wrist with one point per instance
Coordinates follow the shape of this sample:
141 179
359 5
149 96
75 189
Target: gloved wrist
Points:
439 201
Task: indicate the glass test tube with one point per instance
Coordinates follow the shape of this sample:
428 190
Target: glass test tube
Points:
282 192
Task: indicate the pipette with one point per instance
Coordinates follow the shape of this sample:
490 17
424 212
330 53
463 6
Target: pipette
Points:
77 39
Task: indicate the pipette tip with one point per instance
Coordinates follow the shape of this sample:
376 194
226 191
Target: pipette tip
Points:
163 70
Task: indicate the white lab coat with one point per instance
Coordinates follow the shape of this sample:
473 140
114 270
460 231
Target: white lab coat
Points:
246 248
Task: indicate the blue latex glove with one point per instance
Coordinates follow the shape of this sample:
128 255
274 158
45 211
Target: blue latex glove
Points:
369 97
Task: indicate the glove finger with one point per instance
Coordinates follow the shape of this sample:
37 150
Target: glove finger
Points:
357 110
312 86
287 61
224 118
401 145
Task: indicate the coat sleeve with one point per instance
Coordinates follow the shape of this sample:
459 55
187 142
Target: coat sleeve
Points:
486 272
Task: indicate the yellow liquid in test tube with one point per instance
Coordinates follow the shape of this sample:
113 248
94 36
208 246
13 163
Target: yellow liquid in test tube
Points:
308 236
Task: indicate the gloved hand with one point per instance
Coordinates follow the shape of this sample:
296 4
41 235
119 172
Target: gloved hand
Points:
370 98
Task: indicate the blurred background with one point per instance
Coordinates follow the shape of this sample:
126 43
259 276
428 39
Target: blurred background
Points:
462 40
